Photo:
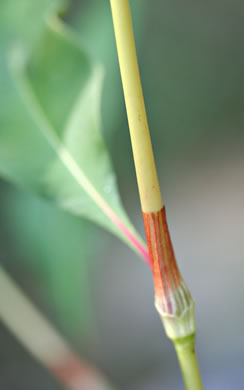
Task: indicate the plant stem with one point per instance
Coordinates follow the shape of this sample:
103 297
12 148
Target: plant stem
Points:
150 196
172 297
185 349
43 341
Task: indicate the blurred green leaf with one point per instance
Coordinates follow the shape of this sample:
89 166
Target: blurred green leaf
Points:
23 23
50 141
55 246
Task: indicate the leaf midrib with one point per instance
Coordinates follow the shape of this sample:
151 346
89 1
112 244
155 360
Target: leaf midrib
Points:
68 161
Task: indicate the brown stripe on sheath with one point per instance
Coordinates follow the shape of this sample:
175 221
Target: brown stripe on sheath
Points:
161 263
170 246
168 282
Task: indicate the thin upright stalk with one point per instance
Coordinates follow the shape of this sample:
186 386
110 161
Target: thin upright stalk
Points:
185 349
172 297
150 196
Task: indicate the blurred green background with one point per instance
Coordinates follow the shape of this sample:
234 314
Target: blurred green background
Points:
96 291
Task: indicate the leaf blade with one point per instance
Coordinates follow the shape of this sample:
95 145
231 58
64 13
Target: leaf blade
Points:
85 192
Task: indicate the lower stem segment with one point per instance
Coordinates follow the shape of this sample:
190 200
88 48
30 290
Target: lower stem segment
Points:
185 349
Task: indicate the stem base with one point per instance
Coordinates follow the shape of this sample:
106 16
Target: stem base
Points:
185 349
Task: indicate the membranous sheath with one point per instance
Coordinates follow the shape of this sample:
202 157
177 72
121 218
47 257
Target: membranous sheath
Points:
172 297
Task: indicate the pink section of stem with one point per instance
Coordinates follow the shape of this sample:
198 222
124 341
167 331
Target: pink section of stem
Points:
137 244
131 237
75 374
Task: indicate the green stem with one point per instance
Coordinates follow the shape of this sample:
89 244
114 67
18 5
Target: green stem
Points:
185 349
150 196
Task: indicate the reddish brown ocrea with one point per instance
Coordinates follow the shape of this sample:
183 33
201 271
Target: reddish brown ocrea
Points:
172 297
